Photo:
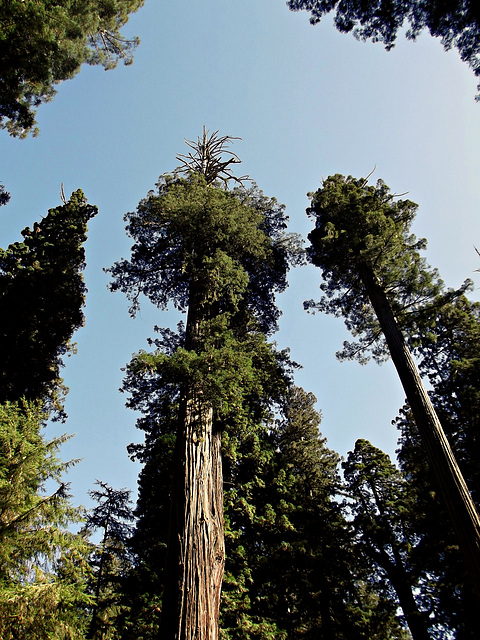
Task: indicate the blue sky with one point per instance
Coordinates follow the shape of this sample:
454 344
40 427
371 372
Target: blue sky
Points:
307 102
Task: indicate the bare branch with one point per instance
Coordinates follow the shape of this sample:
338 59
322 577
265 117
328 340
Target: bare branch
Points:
365 180
207 158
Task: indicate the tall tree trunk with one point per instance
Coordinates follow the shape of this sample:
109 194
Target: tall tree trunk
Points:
196 554
450 482
196 548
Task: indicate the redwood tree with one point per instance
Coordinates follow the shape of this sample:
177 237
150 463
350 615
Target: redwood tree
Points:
374 277
450 357
220 255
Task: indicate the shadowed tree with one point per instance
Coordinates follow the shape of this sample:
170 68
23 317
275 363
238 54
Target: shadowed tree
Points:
383 507
4 195
293 560
42 293
375 278
449 355
44 568
111 516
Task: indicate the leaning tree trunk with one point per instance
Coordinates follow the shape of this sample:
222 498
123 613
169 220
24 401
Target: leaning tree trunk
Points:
196 549
450 482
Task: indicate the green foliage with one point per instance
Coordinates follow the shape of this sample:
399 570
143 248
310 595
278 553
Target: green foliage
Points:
363 244
455 22
223 239
43 565
292 569
362 229
243 382
290 566
223 255
111 560
384 509
444 591
44 42
41 297
450 356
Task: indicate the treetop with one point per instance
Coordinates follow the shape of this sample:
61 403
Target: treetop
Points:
363 229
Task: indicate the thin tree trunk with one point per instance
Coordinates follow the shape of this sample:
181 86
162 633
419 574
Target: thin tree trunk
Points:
92 628
398 577
450 482
395 569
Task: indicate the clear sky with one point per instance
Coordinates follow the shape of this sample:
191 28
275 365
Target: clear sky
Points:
307 102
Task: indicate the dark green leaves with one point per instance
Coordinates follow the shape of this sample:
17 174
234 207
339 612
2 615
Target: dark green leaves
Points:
41 297
363 229
43 43
231 242
43 565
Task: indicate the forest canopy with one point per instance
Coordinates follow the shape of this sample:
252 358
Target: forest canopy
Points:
43 43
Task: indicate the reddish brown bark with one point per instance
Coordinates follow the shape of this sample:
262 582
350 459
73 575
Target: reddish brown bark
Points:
196 546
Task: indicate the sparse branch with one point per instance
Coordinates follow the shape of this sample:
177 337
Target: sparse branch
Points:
207 160
365 180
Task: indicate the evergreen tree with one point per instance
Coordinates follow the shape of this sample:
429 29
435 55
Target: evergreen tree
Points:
41 297
158 405
222 255
247 447
456 23
298 539
110 561
315 594
383 507
293 568
375 277
445 588
44 567
449 356
44 42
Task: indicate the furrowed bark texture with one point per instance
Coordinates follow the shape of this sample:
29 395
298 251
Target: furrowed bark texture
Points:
450 482
196 547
